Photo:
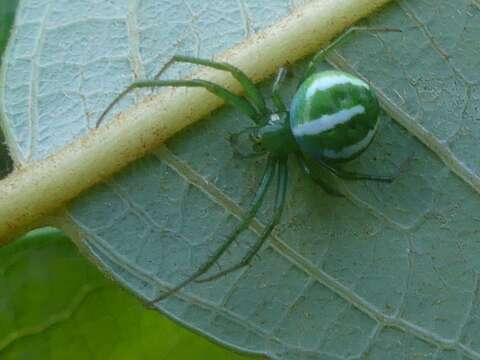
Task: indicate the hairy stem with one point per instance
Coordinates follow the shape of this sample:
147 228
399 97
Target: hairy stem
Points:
37 189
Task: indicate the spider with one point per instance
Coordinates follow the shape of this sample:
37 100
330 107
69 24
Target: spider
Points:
332 118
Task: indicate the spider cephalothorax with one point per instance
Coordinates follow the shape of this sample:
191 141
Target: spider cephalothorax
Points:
275 137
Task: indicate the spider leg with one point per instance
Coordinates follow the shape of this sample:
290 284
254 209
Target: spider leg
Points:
233 139
280 195
251 91
323 184
277 100
230 98
322 54
254 207
245 156
350 175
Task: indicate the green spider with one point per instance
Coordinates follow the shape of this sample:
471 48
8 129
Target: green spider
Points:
333 118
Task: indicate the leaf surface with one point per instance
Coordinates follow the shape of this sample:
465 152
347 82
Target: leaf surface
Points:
389 271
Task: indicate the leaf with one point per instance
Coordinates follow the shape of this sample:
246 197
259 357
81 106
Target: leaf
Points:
390 271
7 15
141 129
56 305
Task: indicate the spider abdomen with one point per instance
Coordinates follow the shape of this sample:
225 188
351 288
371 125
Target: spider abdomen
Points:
334 116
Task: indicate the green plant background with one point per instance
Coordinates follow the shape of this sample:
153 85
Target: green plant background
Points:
54 304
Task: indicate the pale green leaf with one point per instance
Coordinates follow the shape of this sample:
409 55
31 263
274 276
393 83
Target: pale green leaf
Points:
389 272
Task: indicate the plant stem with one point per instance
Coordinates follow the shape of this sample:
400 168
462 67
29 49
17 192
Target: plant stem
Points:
34 191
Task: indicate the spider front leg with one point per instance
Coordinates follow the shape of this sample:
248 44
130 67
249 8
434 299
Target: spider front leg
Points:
277 100
255 205
322 54
251 91
230 98
280 196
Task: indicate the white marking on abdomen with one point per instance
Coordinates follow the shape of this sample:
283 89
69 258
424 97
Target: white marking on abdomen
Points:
327 122
348 151
326 82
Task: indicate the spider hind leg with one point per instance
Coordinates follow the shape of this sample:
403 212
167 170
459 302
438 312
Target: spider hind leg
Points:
323 183
255 205
280 195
